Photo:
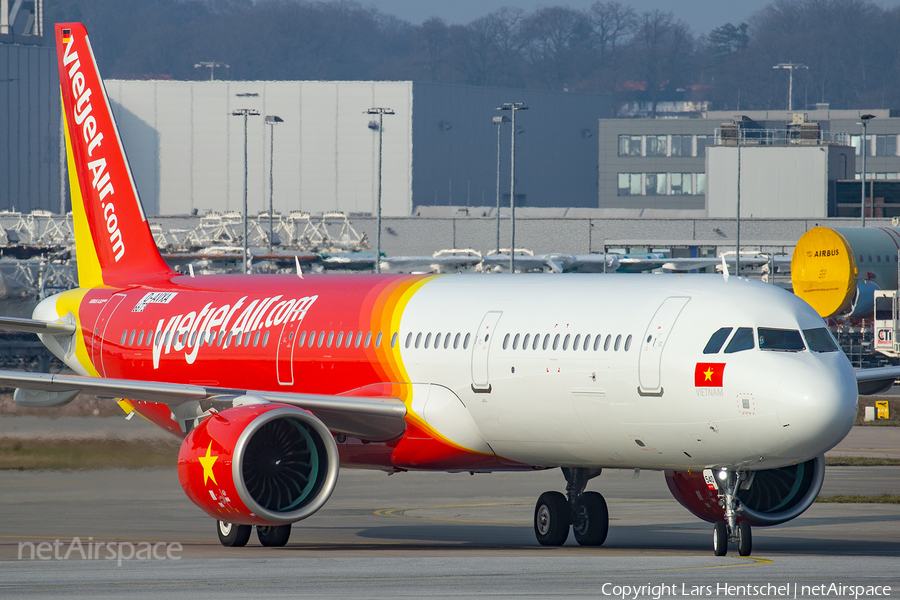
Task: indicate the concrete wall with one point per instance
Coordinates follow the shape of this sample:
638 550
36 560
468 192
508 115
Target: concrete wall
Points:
29 129
783 181
187 150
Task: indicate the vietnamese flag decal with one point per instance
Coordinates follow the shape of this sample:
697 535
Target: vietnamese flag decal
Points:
709 374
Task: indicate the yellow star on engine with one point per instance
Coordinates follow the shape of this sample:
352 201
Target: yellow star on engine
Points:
708 374
208 461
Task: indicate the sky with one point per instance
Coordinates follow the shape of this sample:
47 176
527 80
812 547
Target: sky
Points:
701 15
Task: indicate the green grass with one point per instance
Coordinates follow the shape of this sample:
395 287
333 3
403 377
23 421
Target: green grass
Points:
85 454
842 499
860 461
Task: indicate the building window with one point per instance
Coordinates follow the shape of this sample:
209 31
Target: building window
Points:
629 184
682 184
682 145
701 145
885 145
629 145
655 184
701 184
656 145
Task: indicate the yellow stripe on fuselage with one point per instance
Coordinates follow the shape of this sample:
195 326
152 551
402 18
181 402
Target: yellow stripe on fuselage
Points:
70 302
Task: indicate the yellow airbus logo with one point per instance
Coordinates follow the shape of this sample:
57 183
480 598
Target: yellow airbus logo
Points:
208 461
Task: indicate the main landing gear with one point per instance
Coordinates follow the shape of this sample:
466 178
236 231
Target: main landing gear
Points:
585 512
731 530
237 536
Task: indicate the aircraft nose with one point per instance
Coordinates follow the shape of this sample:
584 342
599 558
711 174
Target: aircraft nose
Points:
817 405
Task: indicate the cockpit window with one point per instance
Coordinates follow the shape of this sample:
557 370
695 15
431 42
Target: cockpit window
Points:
819 340
784 340
742 340
716 341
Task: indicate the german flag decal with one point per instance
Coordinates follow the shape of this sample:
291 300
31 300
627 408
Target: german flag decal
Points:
709 374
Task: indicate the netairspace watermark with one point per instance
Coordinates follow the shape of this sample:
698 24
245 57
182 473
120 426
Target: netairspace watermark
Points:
744 590
91 550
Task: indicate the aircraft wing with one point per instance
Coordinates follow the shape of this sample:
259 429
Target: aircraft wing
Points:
875 380
365 417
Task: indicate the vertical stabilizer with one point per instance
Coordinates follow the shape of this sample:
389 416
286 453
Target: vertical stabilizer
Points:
112 236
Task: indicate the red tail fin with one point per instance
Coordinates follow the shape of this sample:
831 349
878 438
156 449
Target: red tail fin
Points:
112 237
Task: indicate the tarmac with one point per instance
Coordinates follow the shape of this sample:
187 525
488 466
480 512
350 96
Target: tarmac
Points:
432 534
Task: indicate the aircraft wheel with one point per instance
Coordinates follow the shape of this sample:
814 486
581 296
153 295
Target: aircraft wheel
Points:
233 536
720 539
273 536
551 519
594 520
745 539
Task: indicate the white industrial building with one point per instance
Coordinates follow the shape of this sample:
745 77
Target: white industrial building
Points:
440 147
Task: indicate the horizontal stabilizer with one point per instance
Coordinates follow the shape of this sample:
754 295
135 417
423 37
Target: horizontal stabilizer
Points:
33 326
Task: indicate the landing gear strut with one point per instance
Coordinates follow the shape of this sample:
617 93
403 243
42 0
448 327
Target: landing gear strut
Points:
585 512
731 530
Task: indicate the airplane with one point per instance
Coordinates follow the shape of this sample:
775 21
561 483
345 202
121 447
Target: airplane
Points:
734 388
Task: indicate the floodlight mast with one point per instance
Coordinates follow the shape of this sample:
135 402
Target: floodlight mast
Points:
513 107
380 126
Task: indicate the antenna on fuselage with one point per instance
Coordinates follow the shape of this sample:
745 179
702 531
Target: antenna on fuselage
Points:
297 262
724 269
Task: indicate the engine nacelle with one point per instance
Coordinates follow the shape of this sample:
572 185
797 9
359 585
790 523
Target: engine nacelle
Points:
773 496
259 464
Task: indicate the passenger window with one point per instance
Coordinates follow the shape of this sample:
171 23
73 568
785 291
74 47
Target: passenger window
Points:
131 339
437 340
141 338
466 341
742 340
409 339
606 343
525 341
124 334
302 340
618 340
418 339
256 339
506 341
456 342
597 341
587 342
368 340
340 338
321 339
576 342
265 339
427 340
819 340
516 342
537 340
221 339
566 342
247 338
716 341
349 339
447 340
628 343
546 343
783 340
556 342
312 339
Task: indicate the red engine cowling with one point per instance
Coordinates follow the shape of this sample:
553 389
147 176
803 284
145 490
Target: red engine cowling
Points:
259 464
769 497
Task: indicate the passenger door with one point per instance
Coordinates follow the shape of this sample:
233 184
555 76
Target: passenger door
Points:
654 342
481 351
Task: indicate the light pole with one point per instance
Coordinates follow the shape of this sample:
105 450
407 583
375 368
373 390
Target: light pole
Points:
513 107
245 112
864 148
211 65
272 120
738 120
791 67
379 126
499 121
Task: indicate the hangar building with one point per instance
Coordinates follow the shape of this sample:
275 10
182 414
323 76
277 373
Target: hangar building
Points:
440 147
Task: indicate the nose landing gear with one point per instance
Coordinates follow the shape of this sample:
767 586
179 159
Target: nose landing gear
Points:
585 512
731 530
